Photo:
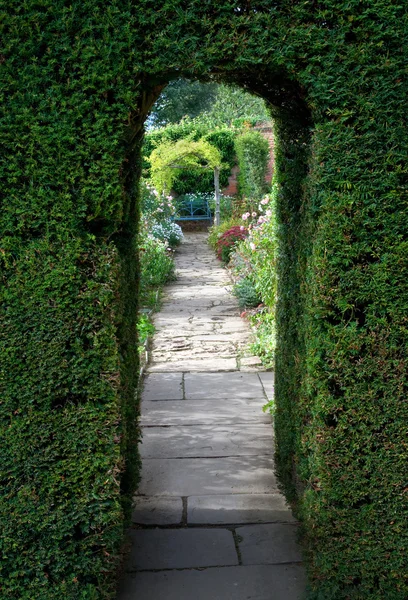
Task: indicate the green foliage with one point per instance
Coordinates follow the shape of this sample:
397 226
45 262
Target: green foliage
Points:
233 107
215 105
77 81
216 231
256 256
227 242
156 264
264 344
155 207
190 181
180 99
246 293
253 154
170 159
145 329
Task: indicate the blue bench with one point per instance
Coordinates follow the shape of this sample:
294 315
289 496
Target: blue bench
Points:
193 210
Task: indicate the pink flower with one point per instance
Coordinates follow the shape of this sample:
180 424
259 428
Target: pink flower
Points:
254 214
265 200
245 216
268 213
242 228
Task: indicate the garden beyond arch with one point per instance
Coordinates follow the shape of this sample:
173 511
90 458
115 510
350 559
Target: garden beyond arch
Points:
78 82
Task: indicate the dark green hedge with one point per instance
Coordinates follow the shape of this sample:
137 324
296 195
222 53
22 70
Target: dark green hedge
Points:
76 83
253 157
193 181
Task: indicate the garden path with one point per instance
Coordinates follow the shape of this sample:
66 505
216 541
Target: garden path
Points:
209 522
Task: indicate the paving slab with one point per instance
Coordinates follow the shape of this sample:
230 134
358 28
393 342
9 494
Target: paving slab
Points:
223 385
153 510
163 386
200 365
207 441
260 582
181 549
182 353
208 456
268 381
207 476
238 508
270 544
203 412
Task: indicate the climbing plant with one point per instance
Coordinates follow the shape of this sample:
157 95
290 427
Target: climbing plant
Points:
77 82
169 159
191 180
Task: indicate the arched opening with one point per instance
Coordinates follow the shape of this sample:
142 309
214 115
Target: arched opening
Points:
293 126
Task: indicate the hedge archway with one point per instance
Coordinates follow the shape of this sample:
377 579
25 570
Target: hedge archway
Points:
77 84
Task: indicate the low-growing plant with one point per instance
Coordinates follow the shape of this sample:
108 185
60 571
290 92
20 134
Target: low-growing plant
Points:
216 231
145 329
228 240
155 206
168 232
264 343
245 291
156 264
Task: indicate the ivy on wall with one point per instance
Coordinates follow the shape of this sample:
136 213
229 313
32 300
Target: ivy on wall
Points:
77 82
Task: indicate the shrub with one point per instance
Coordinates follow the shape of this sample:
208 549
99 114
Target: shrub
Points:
246 293
253 156
155 206
168 232
226 243
264 345
156 264
216 231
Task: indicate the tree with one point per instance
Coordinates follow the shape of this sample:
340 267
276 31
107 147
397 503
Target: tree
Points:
214 104
180 99
233 103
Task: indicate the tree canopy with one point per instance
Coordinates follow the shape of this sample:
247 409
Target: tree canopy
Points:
214 104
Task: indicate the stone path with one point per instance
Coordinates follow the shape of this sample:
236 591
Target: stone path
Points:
209 521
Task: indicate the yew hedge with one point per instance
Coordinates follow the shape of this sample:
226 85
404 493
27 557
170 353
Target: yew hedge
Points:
77 81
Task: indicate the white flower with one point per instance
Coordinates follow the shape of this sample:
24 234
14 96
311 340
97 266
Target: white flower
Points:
245 216
252 246
254 214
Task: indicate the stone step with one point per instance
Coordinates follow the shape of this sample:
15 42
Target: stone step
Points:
207 441
207 476
257 582
203 412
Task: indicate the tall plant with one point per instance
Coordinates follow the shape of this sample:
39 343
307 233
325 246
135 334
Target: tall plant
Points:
253 155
